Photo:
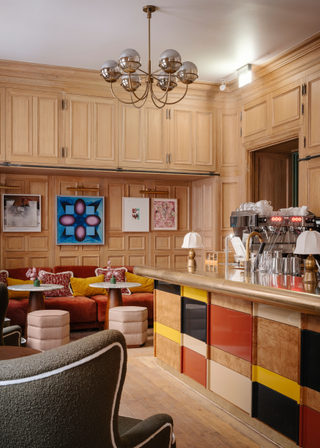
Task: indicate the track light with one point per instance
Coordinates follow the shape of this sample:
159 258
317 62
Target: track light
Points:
223 84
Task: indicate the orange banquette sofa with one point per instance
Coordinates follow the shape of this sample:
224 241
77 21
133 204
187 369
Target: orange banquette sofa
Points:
85 312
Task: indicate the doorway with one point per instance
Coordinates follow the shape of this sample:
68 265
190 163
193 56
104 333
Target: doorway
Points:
275 176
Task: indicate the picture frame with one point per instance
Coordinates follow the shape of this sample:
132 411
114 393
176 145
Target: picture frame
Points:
135 215
21 212
164 214
80 220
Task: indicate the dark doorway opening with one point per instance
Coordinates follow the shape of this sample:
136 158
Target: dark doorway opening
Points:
276 176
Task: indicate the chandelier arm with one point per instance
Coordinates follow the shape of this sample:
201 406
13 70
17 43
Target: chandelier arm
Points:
142 104
154 99
175 102
165 93
145 94
121 101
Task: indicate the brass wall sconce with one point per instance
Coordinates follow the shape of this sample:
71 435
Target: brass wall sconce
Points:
9 187
82 189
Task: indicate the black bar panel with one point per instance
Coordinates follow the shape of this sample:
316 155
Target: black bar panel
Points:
310 359
194 318
276 410
167 287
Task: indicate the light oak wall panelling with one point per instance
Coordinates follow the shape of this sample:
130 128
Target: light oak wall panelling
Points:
162 242
162 261
131 144
114 206
38 243
115 242
180 261
155 137
17 243
204 154
230 200
205 213
313 114
136 260
255 119
37 262
116 260
183 195
2 125
133 189
286 107
177 241
228 142
312 169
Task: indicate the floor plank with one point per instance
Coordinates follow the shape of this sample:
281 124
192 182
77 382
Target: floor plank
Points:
198 423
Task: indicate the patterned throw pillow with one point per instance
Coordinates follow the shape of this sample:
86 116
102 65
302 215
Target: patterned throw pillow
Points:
119 273
3 277
63 278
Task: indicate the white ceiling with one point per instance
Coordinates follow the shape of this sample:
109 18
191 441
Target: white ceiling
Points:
219 36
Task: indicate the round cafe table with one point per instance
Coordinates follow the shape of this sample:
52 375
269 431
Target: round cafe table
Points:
10 352
115 296
36 299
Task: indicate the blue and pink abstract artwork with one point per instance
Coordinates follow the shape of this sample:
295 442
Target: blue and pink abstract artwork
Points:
80 219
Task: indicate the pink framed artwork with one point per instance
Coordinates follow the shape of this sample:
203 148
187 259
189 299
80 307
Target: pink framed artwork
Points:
164 214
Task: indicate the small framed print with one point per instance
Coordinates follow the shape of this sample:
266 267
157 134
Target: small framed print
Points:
21 212
164 214
79 220
135 215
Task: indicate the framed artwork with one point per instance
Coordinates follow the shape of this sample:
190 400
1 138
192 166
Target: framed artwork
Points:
21 212
164 214
79 220
135 215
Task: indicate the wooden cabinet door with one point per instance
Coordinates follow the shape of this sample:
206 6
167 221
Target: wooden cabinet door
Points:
154 130
91 138
255 119
181 138
2 125
33 127
285 105
204 159
131 137
312 115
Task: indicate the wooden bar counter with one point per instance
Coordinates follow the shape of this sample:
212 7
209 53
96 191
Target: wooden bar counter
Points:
250 344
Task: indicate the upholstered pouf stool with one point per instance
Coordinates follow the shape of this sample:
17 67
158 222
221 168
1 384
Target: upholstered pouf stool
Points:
47 329
132 321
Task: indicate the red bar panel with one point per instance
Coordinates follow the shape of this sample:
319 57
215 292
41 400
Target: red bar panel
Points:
309 427
231 331
194 366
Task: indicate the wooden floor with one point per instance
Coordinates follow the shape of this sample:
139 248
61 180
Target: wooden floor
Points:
198 423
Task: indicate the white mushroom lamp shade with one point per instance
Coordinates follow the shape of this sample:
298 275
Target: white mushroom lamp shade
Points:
191 241
308 243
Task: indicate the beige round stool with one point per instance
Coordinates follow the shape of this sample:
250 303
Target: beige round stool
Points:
48 329
132 321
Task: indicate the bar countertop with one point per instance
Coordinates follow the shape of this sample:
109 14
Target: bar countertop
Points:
282 291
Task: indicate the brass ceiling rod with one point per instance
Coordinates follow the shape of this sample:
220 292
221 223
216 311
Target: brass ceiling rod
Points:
82 189
9 187
150 191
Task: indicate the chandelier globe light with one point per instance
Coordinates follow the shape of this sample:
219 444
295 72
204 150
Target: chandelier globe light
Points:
129 63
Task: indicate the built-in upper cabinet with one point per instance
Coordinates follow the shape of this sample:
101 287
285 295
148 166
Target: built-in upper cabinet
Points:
312 131
278 111
91 137
179 138
33 127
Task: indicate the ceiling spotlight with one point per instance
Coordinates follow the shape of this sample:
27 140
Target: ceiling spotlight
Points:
223 84
244 75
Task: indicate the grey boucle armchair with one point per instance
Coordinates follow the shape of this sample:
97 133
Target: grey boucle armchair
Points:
69 397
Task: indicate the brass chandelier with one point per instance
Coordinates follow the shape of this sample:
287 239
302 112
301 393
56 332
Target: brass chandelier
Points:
171 69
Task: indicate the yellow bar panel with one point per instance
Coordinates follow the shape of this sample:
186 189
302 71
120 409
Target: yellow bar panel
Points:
194 293
167 332
279 383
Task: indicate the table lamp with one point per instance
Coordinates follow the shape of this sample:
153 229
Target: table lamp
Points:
191 241
308 243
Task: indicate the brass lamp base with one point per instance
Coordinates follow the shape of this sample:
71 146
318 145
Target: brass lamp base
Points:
310 275
192 265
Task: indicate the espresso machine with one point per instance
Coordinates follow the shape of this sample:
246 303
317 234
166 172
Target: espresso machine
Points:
277 231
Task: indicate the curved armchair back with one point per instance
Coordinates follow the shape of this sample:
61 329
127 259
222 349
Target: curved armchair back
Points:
70 396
